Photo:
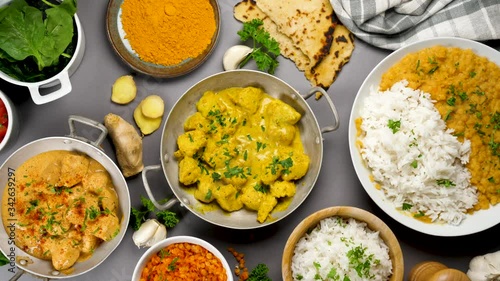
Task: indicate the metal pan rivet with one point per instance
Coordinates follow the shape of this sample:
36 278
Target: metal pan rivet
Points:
165 158
55 273
23 262
67 141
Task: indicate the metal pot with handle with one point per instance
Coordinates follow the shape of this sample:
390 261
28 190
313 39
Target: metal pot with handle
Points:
310 131
43 268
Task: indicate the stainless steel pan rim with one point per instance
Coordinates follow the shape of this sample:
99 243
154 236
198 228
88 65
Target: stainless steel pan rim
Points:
42 268
311 135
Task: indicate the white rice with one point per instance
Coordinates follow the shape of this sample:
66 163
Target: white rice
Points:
325 253
411 164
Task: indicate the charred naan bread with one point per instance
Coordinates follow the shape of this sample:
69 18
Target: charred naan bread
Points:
247 10
325 73
320 73
309 23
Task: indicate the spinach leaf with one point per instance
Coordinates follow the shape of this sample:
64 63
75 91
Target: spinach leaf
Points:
34 39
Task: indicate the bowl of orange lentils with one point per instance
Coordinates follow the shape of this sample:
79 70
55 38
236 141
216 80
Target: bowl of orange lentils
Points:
182 258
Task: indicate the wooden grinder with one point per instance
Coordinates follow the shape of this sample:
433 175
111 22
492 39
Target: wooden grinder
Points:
435 271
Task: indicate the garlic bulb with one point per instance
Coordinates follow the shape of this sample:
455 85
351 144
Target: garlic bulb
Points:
234 56
150 232
485 268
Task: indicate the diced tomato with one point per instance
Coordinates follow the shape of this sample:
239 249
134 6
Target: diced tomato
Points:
4 119
3 131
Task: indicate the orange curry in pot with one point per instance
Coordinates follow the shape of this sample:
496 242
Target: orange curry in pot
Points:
65 206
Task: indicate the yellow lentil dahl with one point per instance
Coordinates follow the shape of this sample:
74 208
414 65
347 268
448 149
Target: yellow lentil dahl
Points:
467 93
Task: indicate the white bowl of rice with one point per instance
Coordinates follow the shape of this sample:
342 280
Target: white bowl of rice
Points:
342 243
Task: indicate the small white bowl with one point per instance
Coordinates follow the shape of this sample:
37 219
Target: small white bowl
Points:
136 276
12 124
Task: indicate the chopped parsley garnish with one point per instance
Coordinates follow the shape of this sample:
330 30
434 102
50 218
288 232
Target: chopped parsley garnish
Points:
260 146
414 164
419 214
406 206
451 101
234 172
433 62
171 266
264 188
208 196
448 115
394 125
360 261
445 182
286 164
93 212
216 176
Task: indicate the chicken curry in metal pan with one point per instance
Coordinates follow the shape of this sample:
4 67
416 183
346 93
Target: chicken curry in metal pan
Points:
66 206
242 149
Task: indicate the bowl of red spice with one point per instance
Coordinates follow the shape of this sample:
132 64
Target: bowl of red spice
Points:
182 258
163 39
9 122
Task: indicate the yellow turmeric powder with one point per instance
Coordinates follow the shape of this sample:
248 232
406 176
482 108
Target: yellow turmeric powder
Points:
169 31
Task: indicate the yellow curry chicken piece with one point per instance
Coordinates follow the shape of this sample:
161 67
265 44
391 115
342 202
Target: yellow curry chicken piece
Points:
66 206
242 149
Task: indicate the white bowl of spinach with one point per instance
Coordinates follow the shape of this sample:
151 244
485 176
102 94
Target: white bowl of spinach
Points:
41 45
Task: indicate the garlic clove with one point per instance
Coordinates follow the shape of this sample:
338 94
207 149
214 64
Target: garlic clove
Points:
234 56
160 234
145 232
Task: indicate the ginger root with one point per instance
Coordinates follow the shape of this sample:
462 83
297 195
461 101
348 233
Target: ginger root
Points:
150 106
124 90
127 142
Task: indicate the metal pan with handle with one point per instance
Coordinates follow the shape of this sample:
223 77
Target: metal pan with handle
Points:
311 134
43 268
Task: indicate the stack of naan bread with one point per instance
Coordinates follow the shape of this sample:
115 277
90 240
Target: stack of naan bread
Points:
308 32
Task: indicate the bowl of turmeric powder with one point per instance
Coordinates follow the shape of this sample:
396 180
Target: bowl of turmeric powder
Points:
163 39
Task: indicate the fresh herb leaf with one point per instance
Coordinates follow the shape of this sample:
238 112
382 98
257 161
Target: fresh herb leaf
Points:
451 101
259 273
36 43
148 204
93 212
360 261
445 182
263 188
216 176
419 214
406 206
137 217
265 48
3 259
168 218
414 164
208 196
394 125
171 266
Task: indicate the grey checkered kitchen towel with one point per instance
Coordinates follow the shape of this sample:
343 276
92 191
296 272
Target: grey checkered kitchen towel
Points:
391 24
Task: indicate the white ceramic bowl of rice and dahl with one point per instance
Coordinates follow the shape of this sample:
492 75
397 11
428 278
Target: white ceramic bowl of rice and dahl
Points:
424 136
342 243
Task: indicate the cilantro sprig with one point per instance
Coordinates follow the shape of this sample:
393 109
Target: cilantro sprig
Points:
140 215
265 48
